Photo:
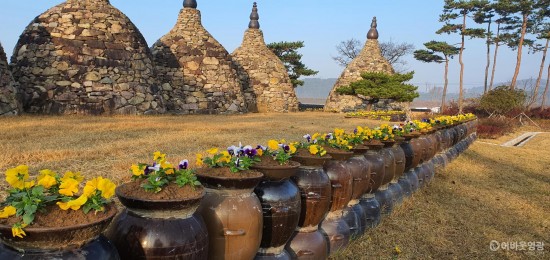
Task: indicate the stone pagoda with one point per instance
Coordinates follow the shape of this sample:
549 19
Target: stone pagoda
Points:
369 60
9 105
196 71
266 83
85 57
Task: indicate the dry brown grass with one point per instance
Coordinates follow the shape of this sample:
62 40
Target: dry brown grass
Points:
107 146
488 193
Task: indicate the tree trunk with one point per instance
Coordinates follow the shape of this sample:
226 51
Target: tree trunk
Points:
543 102
444 96
461 87
488 55
520 47
495 57
537 85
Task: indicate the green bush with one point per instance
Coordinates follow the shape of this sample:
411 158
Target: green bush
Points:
376 85
502 100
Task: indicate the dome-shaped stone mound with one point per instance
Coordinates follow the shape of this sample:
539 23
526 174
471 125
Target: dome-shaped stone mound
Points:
266 83
8 92
85 56
369 60
196 72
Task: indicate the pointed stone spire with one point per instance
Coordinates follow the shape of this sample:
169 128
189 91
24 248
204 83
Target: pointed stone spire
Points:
254 17
373 32
190 4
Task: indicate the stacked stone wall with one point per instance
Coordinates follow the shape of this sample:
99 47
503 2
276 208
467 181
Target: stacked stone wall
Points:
196 71
9 104
85 56
267 85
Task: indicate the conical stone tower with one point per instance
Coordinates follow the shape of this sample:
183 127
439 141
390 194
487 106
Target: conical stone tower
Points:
8 93
85 56
196 71
369 60
266 83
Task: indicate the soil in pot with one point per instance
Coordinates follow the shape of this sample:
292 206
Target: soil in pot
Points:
170 192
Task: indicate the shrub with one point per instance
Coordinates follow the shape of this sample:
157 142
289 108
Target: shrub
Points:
537 113
492 128
502 100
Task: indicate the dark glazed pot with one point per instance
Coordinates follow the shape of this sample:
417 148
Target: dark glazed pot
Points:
372 210
385 197
421 174
412 176
341 184
233 216
99 248
308 246
405 186
400 161
356 219
157 229
389 165
284 255
359 168
407 148
281 205
337 232
377 169
397 193
315 192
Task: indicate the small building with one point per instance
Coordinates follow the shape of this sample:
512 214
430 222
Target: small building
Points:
266 83
9 104
85 57
370 59
196 71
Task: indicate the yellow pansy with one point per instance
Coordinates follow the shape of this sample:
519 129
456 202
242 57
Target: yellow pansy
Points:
338 132
158 156
292 149
90 187
272 145
137 170
47 181
212 151
226 157
313 149
72 175
68 187
17 230
107 188
315 136
17 176
8 211
323 152
73 204
199 161
260 152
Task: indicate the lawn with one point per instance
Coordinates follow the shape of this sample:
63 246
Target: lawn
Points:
488 193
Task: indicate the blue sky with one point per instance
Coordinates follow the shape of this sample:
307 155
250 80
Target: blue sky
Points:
321 24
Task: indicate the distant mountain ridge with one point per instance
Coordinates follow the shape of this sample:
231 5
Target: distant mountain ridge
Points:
316 91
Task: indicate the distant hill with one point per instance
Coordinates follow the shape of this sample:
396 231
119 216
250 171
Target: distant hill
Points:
316 90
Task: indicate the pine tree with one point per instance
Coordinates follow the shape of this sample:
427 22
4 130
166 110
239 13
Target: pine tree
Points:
448 51
376 85
288 53
485 15
460 9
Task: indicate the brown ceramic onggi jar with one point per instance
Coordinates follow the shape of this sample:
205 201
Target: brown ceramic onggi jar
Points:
341 184
233 216
389 162
315 192
376 160
308 246
359 168
159 229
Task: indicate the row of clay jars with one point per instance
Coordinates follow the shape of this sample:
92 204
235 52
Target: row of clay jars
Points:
315 190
